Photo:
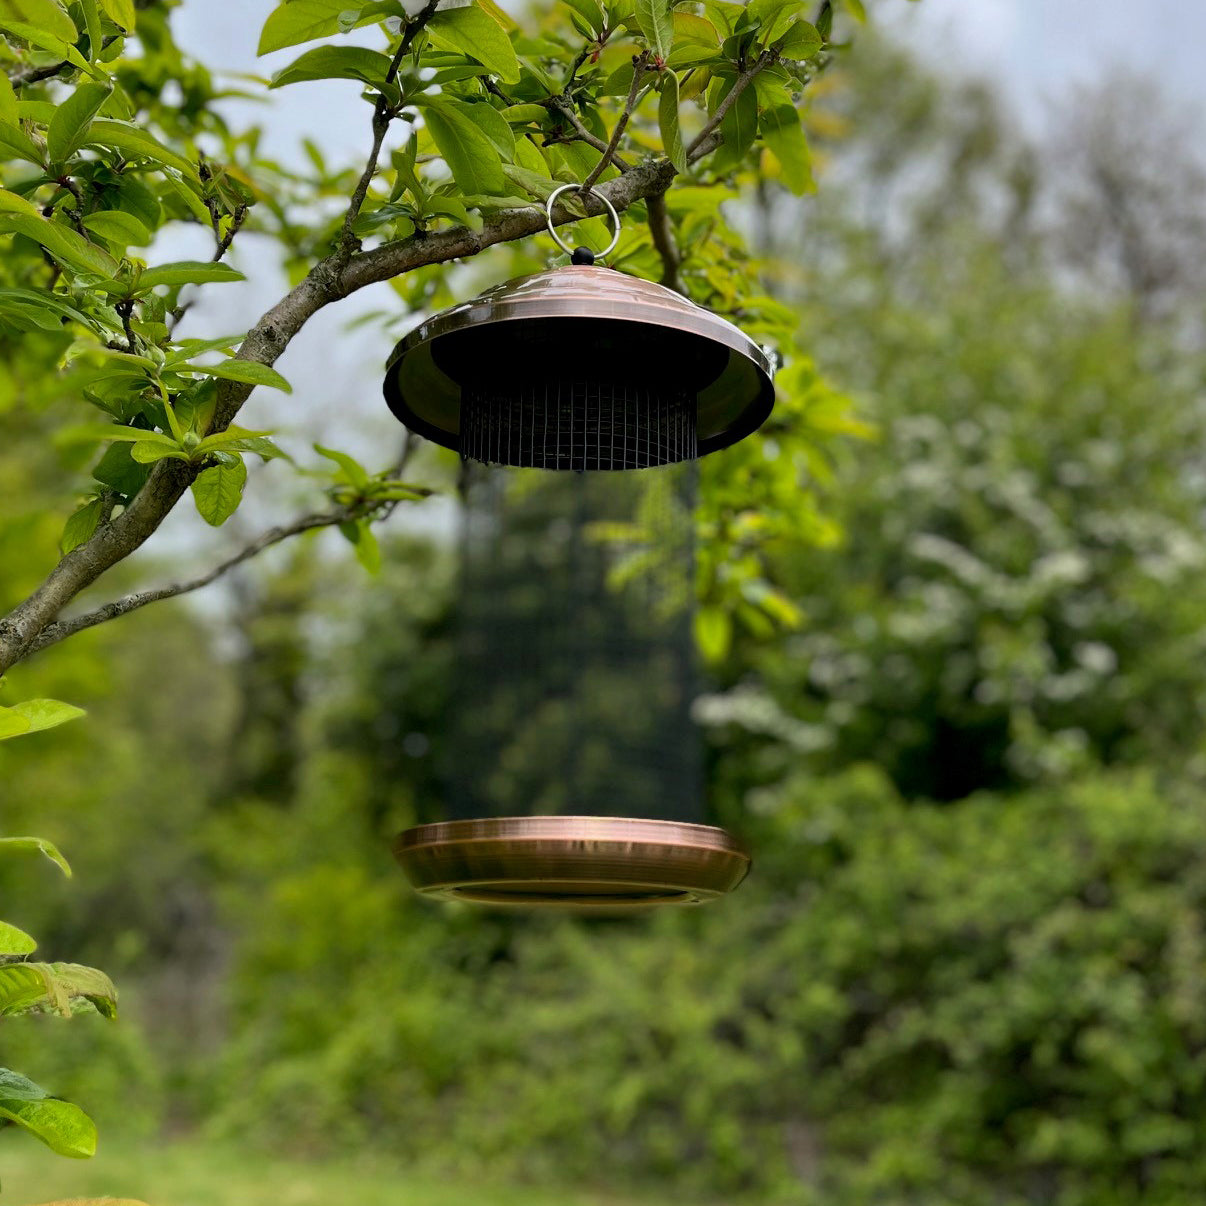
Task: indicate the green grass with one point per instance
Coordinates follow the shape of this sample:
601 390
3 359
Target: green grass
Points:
196 1174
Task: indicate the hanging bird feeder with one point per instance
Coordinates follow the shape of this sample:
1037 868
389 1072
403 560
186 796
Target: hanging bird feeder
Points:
575 666
580 367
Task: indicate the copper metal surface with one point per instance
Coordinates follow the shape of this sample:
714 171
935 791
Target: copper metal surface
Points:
577 862
598 316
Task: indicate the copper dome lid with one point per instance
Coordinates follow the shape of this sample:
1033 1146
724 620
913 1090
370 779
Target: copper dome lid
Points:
566 325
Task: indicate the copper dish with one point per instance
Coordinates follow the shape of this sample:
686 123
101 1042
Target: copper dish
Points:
577 862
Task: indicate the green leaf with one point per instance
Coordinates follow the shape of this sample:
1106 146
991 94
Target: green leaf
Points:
45 15
8 100
250 372
713 632
90 433
654 18
118 470
354 472
147 452
691 28
37 36
857 11
15 143
40 845
65 245
63 1127
591 12
472 157
120 12
784 135
667 116
80 526
477 34
774 17
186 349
188 272
71 120
118 227
135 143
335 63
92 23
13 942
26 986
22 986
218 490
298 21
361 537
39 714
225 441
15 1087
522 115
801 41
46 310
738 129
74 981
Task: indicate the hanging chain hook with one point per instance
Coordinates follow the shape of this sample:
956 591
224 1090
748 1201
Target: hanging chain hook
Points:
587 255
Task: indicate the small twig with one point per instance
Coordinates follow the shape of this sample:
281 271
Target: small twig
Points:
30 74
383 114
638 70
224 240
567 110
662 231
576 65
61 629
126 310
702 139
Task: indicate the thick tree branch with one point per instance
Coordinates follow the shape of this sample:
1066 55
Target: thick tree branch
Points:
662 230
169 479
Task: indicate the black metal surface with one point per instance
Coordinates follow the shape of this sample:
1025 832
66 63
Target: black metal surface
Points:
583 422
575 671
573 323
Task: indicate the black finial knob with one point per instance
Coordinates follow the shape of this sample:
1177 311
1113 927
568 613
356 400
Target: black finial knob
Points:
582 255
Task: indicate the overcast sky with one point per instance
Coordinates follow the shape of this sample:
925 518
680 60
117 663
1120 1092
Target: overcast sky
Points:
1036 50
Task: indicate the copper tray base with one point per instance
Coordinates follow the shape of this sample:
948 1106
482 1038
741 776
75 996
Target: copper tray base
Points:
575 862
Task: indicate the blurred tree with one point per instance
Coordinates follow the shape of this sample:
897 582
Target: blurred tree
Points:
1022 560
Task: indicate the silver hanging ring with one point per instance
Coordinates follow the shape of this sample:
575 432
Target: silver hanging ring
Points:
611 209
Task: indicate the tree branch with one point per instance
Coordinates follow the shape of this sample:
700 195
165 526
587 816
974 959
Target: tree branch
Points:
29 74
662 231
383 114
271 335
704 142
638 70
567 110
52 634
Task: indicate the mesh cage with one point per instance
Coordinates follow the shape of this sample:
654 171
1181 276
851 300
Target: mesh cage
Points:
577 423
575 670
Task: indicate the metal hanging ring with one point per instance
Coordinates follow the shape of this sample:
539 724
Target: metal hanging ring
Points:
611 209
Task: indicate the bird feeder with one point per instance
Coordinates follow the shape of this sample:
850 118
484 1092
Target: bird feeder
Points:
575 776
580 367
